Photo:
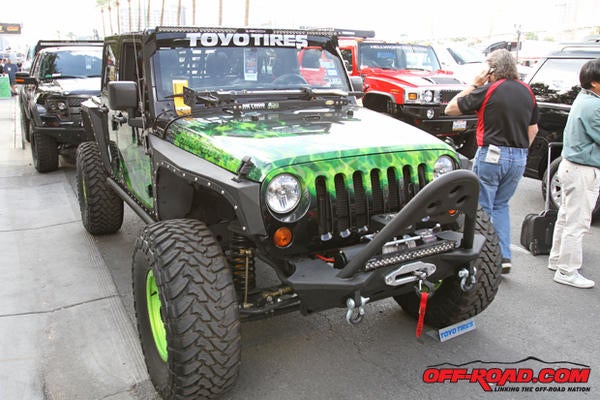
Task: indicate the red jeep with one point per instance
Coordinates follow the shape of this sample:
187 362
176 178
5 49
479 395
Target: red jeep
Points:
406 81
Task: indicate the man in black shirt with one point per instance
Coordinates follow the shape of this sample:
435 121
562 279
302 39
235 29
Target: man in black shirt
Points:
507 124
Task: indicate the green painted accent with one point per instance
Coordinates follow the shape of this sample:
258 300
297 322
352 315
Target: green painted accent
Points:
308 172
83 189
137 173
296 141
156 323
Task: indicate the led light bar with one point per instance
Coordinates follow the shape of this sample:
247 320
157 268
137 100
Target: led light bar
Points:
405 255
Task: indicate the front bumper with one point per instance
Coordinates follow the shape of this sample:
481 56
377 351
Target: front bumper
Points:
433 120
368 271
66 135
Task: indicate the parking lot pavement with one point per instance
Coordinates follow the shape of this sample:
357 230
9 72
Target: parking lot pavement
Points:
63 328
66 317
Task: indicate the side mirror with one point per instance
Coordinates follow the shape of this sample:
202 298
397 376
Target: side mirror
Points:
357 83
23 78
122 95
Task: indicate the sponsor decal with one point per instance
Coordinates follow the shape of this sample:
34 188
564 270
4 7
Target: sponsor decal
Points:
385 46
528 375
457 329
258 106
228 39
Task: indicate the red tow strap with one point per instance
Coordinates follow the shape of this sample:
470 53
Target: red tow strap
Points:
422 308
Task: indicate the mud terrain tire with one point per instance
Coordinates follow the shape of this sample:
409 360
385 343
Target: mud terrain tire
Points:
44 152
450 304
101 209
186 310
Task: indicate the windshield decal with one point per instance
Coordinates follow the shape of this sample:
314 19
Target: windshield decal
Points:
250 65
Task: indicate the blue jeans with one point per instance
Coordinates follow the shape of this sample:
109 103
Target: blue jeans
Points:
498 183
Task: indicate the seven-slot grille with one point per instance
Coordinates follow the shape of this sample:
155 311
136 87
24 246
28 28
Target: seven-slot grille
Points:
345 203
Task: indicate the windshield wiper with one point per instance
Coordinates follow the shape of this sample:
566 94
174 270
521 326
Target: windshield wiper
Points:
192 97
310 92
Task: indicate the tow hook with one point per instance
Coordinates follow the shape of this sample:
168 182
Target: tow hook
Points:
429 286
464 275
355 313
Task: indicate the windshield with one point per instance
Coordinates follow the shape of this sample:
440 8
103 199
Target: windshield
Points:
247 68
78 63
398 56
466 55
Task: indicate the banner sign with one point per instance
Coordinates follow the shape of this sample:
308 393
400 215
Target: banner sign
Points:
14 29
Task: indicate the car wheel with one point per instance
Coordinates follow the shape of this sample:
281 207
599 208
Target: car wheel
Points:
186 310
390 107
44 152
450 304
101 209
556 188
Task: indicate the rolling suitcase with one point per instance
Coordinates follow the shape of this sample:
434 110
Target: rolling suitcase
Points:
537 229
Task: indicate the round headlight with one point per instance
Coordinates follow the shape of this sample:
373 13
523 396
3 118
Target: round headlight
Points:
443 165
61 106
283 193
427 96
430 113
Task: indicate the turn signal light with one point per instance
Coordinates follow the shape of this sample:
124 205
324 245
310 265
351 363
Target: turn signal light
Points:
282 237
451 212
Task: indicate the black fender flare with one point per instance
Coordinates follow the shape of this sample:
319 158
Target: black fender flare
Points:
242 195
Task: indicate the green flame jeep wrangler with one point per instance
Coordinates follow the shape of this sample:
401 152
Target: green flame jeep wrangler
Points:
244 150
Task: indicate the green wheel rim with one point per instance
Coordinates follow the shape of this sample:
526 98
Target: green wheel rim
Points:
83 190
156 323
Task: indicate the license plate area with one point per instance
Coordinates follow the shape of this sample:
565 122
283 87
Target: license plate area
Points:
459 125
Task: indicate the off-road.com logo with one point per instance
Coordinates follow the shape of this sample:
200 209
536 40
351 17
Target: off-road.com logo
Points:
497 378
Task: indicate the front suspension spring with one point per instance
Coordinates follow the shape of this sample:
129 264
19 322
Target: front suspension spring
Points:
241 259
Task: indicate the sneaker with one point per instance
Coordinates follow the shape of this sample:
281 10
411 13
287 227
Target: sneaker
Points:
573 279
552 267
506 265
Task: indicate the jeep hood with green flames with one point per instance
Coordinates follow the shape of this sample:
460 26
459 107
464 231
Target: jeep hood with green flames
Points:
276 140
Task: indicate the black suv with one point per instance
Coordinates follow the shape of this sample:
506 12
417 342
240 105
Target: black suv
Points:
63 75
555 83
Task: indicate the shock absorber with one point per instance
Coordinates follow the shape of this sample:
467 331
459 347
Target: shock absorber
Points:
241 259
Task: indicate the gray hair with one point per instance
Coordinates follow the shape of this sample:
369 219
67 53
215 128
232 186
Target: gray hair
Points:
503 63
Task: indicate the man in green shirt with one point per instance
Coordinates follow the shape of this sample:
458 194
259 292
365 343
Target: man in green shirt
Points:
579 174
